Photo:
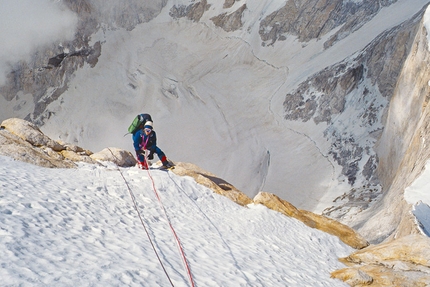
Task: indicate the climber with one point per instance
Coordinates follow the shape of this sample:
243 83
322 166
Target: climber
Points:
145 143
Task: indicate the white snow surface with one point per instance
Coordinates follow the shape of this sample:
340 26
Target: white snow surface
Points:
419 189
418 194
78 227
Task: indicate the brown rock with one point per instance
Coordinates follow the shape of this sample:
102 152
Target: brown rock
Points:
30 133
15 147
230 22
345 233
213 182
118 156
401 262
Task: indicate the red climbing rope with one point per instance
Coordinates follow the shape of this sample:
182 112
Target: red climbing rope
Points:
184 259
141 221
181 251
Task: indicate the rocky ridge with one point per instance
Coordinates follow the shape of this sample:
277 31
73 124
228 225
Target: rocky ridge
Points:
360 88
405 260
309 20
402 161
402 262
24 141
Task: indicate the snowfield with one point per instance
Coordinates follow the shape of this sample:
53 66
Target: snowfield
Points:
78 227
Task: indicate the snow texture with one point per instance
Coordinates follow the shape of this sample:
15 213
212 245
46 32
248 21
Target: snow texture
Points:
78 227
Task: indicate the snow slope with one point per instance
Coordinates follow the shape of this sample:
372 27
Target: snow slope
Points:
78 227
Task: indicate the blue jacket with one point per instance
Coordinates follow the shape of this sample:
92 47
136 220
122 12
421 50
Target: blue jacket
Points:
143 141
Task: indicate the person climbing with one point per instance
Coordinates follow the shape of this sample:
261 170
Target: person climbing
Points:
145 139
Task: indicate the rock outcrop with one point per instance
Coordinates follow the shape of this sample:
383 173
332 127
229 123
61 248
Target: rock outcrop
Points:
402 148
402 262
213 182
230 22
118 156
192 12
309 20
24 141
345 233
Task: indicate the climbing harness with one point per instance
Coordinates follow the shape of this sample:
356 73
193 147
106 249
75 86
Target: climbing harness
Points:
144 143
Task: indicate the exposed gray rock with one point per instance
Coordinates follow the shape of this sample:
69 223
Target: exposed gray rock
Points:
230 22
312 19
47 75
229 3
327 92
359 84
192 12
403 146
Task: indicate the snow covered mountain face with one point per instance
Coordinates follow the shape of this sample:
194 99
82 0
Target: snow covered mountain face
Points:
320 102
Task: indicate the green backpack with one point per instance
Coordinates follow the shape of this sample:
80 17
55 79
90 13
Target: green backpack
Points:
138 120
